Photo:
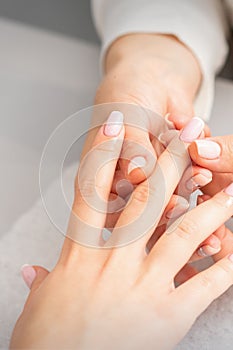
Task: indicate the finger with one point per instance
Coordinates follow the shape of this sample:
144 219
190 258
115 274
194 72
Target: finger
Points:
177 245
176 207
33 276
121 186
215 153
201 290
220 181
212 244
187 272
136 220
194 177
226 238
94 182
138 157
115 208
180 113
210 247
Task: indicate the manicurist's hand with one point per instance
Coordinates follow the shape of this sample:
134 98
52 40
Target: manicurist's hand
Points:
111 294
154 71
215 154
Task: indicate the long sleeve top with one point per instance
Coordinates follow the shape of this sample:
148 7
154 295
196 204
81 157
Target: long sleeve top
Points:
202 25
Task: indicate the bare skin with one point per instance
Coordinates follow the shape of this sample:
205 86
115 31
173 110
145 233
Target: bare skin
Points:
123 298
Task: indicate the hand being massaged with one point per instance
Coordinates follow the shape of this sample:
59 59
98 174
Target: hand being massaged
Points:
116 294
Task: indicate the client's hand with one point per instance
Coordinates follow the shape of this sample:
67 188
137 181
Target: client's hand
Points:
117 296
163 77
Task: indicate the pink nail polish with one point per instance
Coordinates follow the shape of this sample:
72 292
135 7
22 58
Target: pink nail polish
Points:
229 190
28 274
113 124
230 257
192 130
208 149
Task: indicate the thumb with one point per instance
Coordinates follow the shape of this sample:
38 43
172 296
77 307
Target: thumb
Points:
215 153
33 276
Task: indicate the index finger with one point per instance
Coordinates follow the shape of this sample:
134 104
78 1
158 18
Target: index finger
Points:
93 182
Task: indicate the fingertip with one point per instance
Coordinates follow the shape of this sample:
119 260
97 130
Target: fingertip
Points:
193 152
114 124
179 120
28 274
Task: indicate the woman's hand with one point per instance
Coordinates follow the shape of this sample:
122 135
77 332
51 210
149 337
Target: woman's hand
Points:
118 296
154 71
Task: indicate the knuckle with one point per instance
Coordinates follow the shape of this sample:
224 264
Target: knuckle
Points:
86 188
141 194
223 275
225 269
187 228
220 201
206 281
107 147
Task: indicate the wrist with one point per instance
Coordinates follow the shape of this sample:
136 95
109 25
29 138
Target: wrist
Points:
159 56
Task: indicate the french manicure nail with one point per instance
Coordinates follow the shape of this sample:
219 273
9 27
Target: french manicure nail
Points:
192 130
197 181
229 190
113 124
28 273
207 250
136 162
208 149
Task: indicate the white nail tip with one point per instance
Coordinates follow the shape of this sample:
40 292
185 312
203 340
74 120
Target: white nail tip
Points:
136 162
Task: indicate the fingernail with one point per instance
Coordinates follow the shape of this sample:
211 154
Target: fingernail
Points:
28 273
136 162
207 250
230 257
229 190
208 149
113 124
197 181
192 130
177 211
124 187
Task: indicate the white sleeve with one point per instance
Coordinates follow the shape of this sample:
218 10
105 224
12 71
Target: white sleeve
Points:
199 24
